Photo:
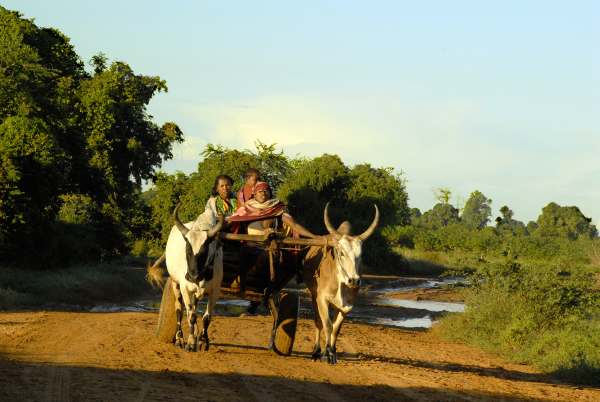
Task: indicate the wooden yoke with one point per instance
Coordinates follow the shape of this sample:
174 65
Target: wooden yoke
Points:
280 240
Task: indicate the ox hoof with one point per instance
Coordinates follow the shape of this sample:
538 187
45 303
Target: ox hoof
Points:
317 357
328 359
204 347
190 348
178 344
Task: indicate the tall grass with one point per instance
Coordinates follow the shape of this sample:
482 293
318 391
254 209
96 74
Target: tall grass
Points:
534 313
82 285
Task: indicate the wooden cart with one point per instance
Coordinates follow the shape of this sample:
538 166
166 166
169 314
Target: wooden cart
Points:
270 273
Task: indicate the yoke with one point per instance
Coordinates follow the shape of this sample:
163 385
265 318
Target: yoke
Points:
264 279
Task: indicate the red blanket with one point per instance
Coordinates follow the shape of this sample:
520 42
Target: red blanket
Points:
253 211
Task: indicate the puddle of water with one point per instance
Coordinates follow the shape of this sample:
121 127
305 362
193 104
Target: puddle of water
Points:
229 306
362 311
435 284
424 304
424 322
116 309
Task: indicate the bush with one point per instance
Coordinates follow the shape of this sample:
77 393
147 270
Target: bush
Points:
400 236
81 285
533 314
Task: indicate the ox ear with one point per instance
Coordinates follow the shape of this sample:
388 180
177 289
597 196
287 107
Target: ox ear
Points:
371 228
212 232
182 229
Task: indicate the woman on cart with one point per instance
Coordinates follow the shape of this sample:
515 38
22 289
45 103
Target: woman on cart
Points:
260 214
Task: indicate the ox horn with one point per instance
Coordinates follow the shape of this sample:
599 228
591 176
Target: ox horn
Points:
335 233
212 232
371 228
184 231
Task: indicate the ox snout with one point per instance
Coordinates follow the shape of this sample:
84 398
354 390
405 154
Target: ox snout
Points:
354 282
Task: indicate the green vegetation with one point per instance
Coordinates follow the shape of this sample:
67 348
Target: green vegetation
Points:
544 313
534 291
74 149
83 285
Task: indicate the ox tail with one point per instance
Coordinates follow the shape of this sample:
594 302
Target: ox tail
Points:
155 273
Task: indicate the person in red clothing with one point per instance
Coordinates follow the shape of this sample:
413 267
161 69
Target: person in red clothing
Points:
258 215
251 177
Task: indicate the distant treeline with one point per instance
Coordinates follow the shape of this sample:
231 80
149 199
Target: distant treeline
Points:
443 228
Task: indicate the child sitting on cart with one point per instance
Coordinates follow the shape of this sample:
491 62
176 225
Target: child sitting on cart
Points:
251 177
258 215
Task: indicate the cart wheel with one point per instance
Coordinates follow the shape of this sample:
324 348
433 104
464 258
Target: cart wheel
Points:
287 321
167 317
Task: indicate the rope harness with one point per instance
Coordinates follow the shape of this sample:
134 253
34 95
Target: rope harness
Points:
340 262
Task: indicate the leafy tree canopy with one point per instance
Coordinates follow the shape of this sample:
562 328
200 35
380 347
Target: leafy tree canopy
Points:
477 211
68 136
506 222
441 194
441 215
566 222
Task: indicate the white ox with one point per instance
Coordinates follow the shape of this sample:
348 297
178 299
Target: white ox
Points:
333 277
195 264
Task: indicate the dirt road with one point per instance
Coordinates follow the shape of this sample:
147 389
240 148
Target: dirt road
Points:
68 356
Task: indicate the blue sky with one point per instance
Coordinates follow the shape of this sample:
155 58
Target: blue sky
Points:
503 98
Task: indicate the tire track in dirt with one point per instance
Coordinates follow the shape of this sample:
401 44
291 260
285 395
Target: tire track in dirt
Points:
401 382
264 375
59 377
411 376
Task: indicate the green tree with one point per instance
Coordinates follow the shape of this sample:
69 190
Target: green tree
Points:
567 222
477 211
39 149
506 222
532 227
68 135
124 146
441 215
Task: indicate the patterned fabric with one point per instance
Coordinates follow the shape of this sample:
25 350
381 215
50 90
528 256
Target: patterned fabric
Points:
225 208
254 211
240 196
261 186
211 205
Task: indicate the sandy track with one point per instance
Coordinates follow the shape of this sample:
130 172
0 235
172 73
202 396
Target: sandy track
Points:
65 356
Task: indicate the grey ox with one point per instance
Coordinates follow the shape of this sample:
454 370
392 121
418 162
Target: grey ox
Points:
195 264
333 276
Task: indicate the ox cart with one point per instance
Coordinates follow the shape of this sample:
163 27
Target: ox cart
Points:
270 272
